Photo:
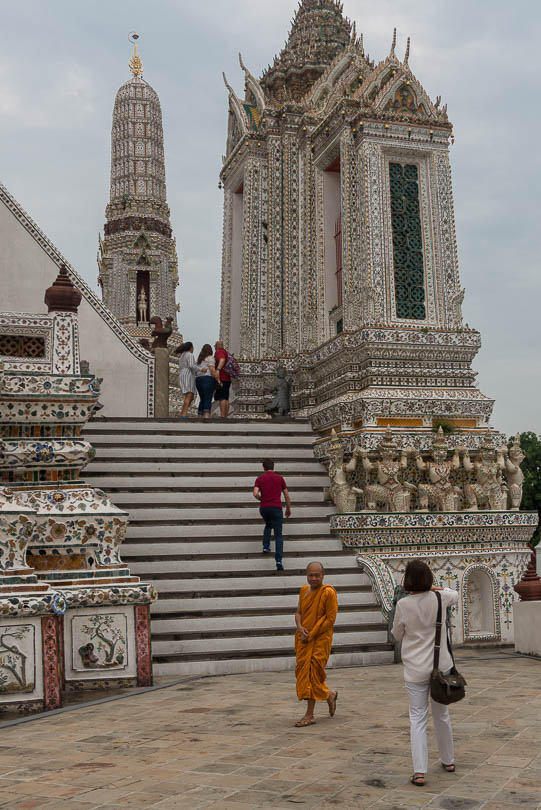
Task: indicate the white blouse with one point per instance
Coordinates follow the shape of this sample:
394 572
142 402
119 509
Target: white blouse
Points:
415 626
207 363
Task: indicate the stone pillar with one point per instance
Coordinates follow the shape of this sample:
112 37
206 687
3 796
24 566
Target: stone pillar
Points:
161 335
161 383
527 612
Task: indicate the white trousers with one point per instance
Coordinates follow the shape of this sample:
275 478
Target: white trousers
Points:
418 696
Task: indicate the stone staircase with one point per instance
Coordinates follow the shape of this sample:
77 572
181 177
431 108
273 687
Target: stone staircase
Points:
195 532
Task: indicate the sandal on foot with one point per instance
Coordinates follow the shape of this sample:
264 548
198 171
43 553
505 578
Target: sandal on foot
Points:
418 779
304 722
332 705
449 768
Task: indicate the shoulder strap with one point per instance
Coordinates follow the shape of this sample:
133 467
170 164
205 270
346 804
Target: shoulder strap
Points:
437 640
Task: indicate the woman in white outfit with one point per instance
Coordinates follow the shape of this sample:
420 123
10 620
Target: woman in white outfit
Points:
186 378
415 626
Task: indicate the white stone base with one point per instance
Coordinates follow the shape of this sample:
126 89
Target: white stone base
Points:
527 621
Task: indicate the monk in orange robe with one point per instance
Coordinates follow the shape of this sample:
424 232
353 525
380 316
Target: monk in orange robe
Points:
315 619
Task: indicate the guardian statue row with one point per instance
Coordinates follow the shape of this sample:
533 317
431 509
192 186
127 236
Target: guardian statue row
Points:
444 482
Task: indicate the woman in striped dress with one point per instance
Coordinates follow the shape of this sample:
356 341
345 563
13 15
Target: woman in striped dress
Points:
186 379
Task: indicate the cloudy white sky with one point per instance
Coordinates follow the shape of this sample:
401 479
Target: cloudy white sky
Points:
62 61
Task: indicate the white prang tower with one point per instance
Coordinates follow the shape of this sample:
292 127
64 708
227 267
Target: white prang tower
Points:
137 259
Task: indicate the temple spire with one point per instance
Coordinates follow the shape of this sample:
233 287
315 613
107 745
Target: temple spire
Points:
319 32
138 261
393 46
407 56
135 64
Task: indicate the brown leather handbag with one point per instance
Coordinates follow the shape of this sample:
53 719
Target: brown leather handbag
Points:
445 688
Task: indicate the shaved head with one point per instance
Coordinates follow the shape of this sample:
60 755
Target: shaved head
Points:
315 563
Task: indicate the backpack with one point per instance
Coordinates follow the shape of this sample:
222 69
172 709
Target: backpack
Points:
231 366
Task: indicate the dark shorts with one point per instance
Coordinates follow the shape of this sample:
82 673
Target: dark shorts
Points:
222 391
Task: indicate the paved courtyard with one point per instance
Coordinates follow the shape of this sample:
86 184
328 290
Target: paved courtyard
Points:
229 743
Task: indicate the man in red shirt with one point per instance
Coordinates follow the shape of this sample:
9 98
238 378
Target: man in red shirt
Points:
221 394
268 490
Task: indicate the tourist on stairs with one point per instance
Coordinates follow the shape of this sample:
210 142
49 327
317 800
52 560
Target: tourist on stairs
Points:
186 378
315 617
205 379
268 490
415 626
221 394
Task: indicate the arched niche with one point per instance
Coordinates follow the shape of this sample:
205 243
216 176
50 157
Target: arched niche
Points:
481 604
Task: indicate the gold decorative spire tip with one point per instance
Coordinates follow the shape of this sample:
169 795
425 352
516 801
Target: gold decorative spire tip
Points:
135 64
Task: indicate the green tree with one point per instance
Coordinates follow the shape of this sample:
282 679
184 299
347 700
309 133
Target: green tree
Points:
531 467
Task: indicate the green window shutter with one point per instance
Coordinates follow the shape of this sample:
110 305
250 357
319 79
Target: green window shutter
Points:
409 276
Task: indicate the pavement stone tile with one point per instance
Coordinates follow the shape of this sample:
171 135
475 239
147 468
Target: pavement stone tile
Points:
66 804
256 771
227 805
510 761
456 802
219 780
519 797
408 797
253 798
7 798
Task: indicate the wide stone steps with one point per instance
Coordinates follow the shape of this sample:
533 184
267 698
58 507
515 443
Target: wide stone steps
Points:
133 482
253 567
158 427
272 602
196 534
186 514
240 551
190 500
273 642
238 662
348 617
238 585
194 467
201 531
194 440
194 454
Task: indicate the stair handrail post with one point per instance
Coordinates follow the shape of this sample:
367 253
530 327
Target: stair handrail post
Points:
161 335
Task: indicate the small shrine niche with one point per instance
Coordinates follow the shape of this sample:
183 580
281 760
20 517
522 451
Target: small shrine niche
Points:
480 621
143 297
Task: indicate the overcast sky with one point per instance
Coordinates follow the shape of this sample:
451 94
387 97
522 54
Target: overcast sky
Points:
62 61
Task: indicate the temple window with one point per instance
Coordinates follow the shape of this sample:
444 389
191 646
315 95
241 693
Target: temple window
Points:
237 214
409 281
332 235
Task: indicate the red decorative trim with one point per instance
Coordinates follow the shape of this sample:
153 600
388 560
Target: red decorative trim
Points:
52 698
142 645
61 651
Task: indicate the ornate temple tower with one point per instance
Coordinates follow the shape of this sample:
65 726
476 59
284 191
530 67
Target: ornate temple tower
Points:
339 253
137 260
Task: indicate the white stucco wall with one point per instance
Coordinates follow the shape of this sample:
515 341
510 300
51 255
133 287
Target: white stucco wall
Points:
527 621
26 270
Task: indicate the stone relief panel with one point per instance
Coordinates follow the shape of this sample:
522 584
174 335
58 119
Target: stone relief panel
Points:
20 660
375 236
352 219
99 641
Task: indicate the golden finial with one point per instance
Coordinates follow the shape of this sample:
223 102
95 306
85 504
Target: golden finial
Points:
135 64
